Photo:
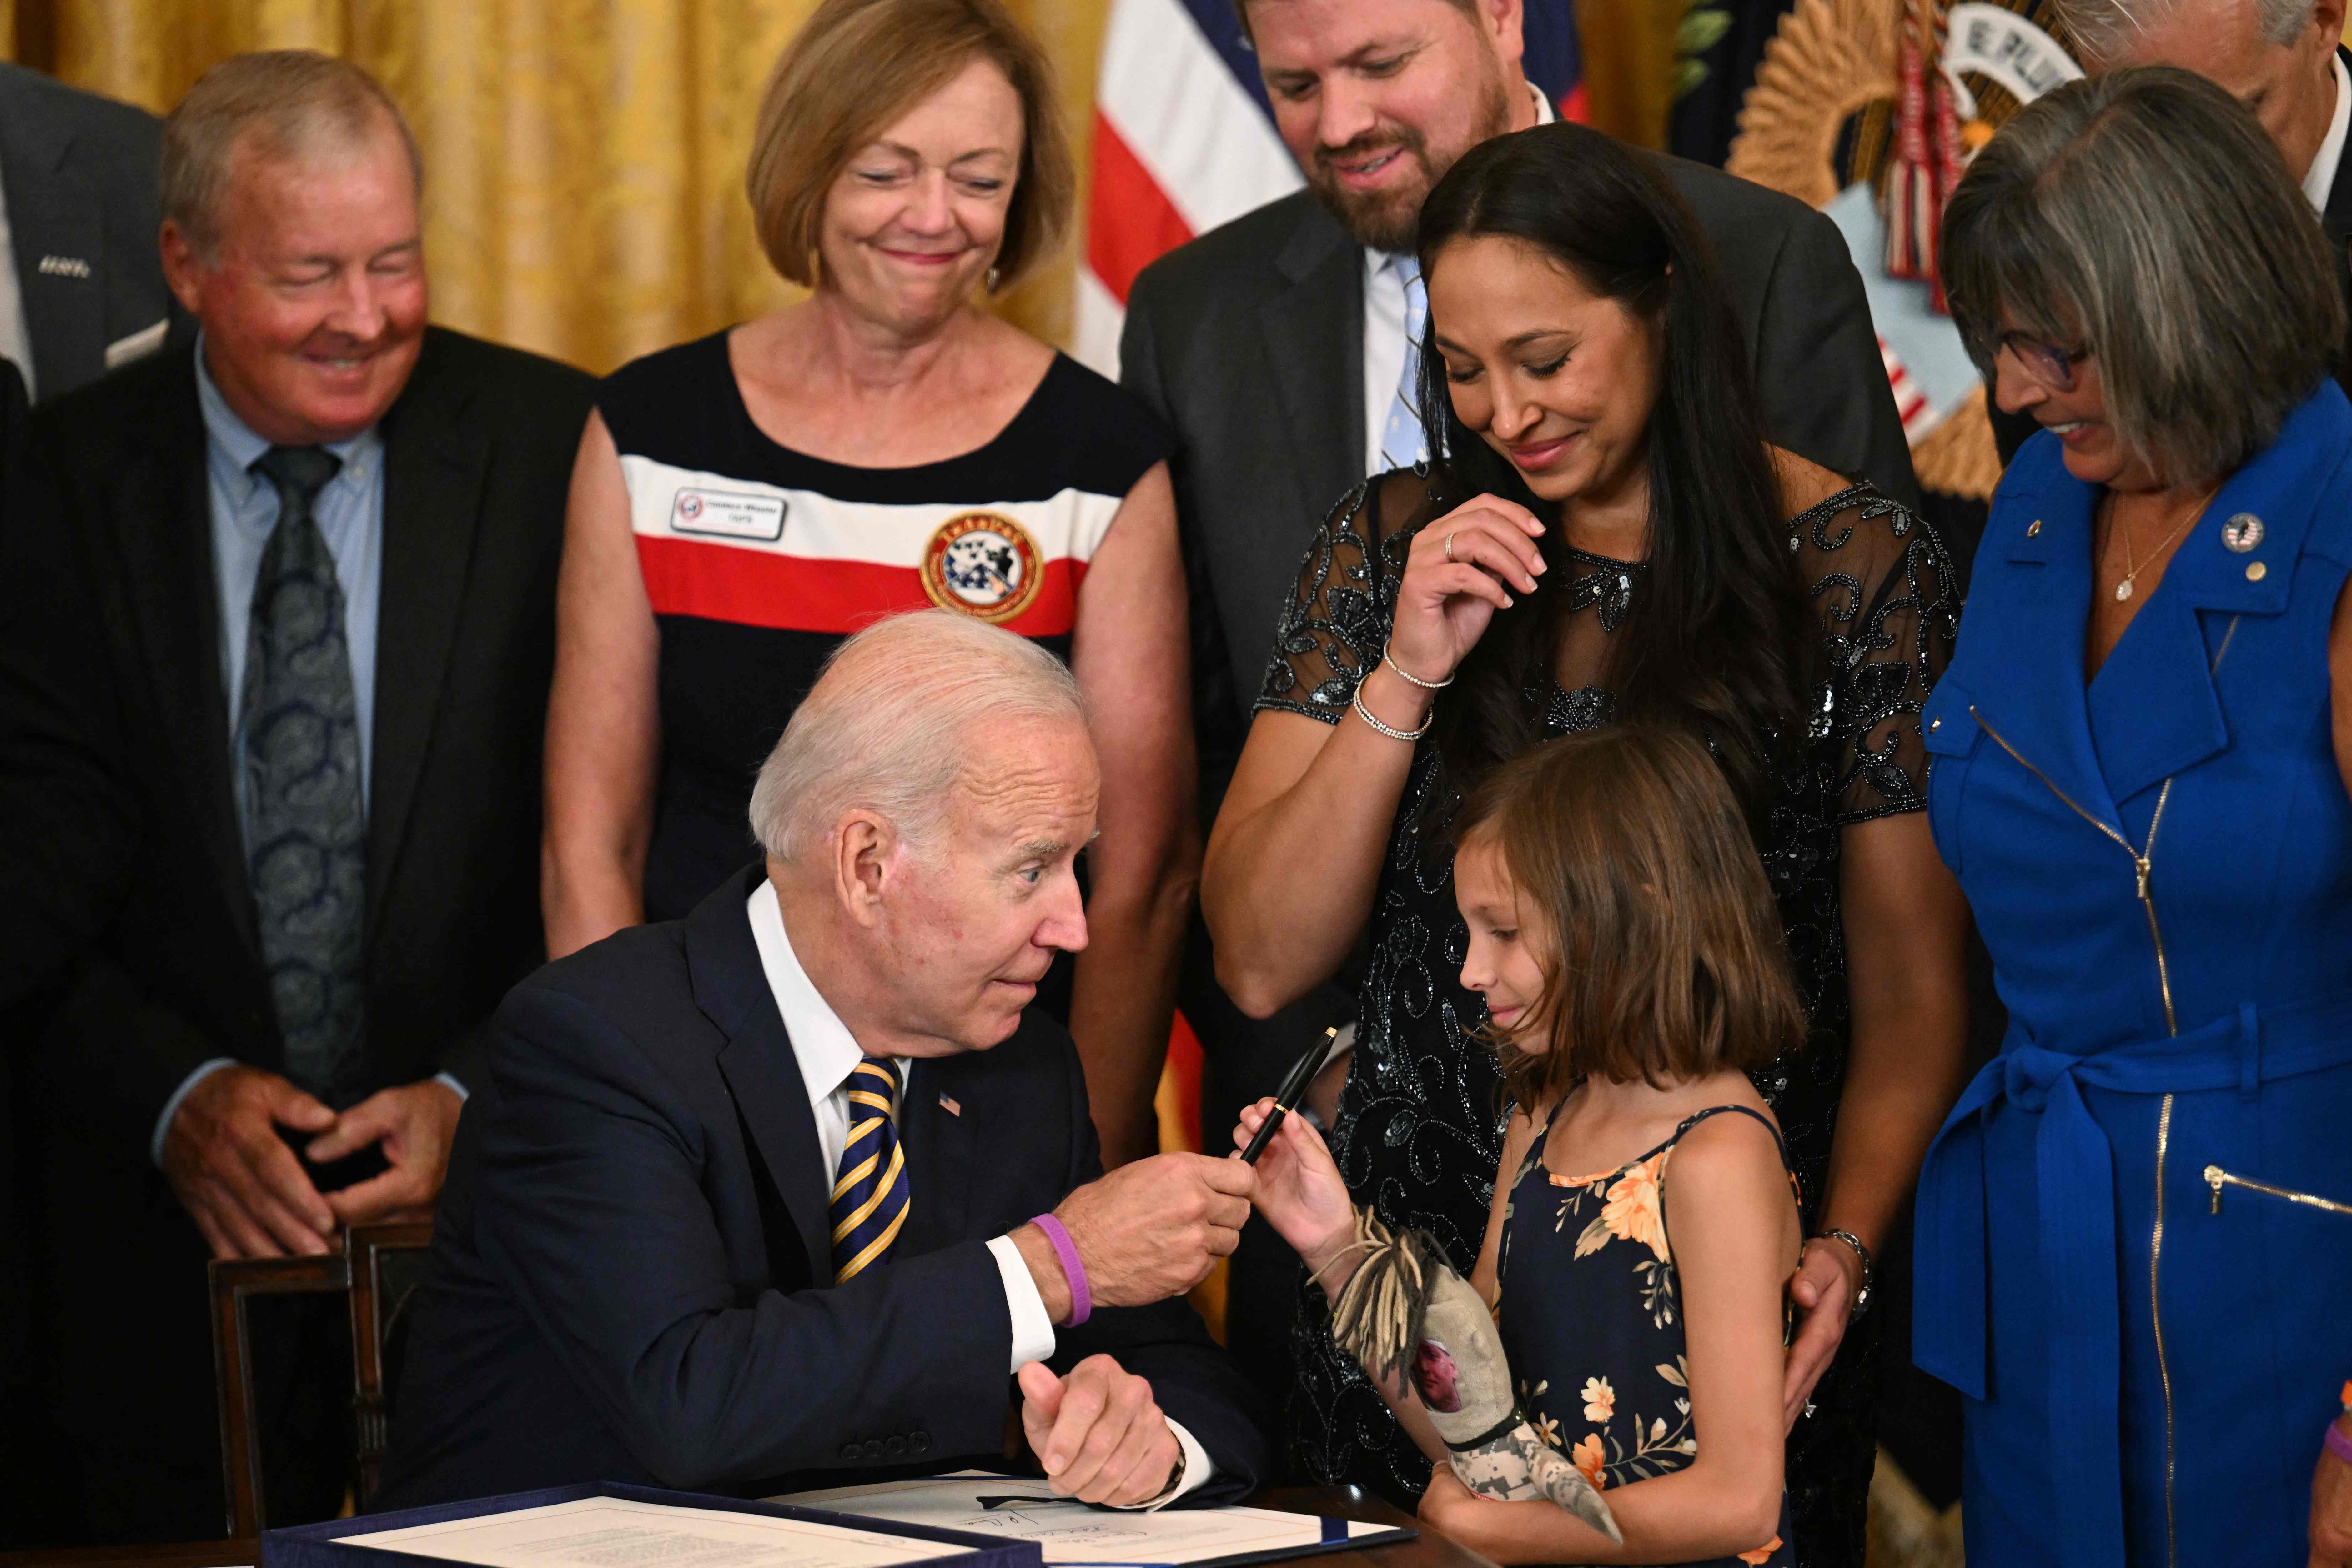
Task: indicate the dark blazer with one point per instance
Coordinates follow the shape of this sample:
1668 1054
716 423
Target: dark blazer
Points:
1249 342
631 1277
78 172
123 897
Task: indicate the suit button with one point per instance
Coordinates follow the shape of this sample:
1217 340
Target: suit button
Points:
897 1447
873 1447
919 1442
850 1453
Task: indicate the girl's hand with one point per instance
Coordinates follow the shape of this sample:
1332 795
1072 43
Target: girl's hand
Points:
1453 1510
1300 1189
1461 568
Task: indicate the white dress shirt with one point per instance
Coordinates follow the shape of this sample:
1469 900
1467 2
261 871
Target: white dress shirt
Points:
1384 321
828 1054
16 334
2320 178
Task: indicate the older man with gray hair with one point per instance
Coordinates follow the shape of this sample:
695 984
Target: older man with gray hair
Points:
2283 59
276 634
800 1190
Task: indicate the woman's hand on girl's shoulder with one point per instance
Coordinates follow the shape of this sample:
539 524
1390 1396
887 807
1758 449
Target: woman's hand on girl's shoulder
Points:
1461 568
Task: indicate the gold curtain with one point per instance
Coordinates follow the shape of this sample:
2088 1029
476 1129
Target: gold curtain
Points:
585 158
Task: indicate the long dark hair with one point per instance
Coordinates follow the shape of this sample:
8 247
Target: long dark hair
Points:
1719 643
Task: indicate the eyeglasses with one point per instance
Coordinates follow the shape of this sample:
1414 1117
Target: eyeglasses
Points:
2051 366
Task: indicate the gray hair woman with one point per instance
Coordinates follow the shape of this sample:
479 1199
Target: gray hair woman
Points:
2141 1214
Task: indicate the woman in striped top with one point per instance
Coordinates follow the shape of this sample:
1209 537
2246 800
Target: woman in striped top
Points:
744 502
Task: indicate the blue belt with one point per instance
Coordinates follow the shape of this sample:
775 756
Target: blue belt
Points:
2076 1194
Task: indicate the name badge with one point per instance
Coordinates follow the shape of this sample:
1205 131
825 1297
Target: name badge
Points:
727 515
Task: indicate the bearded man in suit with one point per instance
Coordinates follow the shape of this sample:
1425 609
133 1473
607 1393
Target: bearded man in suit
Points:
276 633
1276 346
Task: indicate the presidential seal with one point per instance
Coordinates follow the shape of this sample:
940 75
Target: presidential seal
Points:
983 564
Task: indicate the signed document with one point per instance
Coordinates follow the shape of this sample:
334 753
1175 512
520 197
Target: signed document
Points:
617 1532
1073 1535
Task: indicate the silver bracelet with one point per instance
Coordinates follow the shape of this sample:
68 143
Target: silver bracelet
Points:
1357 702
1416 680
1869 1267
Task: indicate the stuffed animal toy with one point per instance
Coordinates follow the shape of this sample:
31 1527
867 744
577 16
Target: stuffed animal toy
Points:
1405 1313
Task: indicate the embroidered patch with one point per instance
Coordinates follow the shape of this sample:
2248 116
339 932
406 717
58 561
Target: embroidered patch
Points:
983 564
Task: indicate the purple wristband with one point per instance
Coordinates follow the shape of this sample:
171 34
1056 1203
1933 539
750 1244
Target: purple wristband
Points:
2337 1444
1082 1299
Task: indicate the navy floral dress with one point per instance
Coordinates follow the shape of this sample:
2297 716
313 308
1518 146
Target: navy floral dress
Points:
1591 1315
1420 1126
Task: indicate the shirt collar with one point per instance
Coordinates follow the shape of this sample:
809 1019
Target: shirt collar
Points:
2320 178
827 1053
1378 261
244 448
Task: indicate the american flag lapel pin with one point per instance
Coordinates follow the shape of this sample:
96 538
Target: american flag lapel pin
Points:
948 1103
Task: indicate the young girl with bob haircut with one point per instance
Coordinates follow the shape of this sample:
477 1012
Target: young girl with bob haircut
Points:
1643 1222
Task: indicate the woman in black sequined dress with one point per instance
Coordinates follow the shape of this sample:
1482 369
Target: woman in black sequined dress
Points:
1603 535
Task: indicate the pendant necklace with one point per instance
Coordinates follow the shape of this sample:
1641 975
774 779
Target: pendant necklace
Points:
2132 568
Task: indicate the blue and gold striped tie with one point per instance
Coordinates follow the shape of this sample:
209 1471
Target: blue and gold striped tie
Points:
869 1197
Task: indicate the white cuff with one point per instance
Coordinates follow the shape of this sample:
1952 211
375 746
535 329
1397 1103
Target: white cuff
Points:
455 1088
172 1106
1033 1331
1197 1471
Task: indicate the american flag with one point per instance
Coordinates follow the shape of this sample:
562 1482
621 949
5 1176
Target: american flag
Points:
1183 140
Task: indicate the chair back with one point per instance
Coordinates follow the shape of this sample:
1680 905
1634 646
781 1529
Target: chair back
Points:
377 1272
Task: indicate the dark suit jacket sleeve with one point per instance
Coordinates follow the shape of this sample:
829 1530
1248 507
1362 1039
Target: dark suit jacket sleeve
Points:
1191 1377
592 1212
1816 332
66 855
1217 738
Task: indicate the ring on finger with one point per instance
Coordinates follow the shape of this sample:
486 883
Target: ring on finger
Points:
1449 549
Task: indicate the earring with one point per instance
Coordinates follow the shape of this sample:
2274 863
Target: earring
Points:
993 274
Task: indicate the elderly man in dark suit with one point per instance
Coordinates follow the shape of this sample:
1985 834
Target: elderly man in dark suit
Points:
275 640
800 1190
80 293
1276 348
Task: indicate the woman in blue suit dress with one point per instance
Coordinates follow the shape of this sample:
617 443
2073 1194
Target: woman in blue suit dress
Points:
2135 1232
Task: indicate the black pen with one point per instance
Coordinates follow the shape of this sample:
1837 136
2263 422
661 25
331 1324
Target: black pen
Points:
1286 1099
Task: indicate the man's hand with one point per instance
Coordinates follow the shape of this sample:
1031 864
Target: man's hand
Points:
236 1176
1145 1232
2331 1508
414 1122
1098 1432
1823 1288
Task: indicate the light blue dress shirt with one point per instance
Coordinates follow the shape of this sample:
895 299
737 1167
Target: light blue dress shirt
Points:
350 515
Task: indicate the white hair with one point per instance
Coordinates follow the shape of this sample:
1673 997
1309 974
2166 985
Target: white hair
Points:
884 728
2104 30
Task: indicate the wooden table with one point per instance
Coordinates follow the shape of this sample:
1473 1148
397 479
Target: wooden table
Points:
1431 1551
175 1555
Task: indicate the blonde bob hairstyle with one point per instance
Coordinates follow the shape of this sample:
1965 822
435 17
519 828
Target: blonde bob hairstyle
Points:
858 66
1633 866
